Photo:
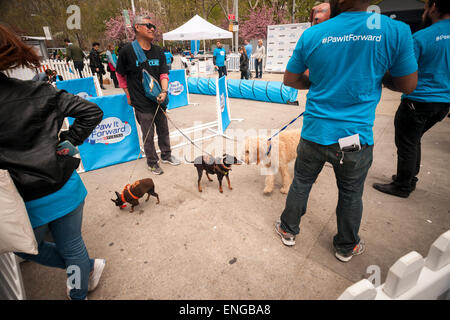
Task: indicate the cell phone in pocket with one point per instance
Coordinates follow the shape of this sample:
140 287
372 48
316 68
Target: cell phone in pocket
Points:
67 145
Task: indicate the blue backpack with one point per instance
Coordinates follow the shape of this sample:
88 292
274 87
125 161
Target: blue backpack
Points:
152 87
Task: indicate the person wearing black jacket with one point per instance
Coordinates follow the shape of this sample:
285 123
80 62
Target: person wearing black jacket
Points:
31 116
95 62
243 63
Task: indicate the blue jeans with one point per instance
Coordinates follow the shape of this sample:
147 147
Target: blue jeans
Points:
350 177
68 250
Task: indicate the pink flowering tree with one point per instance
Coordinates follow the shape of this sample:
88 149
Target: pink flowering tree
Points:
254 26
117 31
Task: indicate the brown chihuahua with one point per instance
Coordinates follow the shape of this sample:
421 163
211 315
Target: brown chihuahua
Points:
217 166
132 193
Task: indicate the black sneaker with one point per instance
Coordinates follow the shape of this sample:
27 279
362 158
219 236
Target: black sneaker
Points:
172 160
156 169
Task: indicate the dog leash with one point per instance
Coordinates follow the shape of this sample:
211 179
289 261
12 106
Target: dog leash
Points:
145 140
189 139
281 130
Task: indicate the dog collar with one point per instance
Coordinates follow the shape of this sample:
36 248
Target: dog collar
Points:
224 172
128 188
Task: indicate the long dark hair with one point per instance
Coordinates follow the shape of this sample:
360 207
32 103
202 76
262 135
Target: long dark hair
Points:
15 53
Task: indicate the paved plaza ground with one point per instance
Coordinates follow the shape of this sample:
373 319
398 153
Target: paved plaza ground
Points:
223 246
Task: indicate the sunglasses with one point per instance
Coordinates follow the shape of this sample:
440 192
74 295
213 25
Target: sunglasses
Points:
148 25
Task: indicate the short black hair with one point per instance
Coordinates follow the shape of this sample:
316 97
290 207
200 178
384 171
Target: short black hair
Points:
95 44
442 5
66 40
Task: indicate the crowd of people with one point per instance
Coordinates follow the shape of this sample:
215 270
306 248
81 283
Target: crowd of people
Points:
344 79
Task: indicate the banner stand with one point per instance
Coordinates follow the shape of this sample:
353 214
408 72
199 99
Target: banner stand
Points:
187 89
218 127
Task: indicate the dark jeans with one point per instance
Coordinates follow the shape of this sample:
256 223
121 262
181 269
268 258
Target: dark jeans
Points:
114 79
244 74
350 177
68 249
410 125
79 66
222 71
162 130
258 67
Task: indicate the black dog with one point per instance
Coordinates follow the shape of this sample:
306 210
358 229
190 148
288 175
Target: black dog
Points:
132 193
217 166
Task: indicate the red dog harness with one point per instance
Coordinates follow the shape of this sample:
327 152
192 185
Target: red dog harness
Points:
127 188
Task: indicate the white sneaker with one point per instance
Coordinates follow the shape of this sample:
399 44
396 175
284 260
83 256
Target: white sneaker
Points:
94 277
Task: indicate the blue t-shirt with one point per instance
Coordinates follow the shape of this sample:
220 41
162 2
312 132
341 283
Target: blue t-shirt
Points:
220 56
56 205
432 47
168 57
249 49
347 62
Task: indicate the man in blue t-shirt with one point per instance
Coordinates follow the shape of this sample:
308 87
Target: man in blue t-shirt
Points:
429 103
169 58
342 61
249 49
219 58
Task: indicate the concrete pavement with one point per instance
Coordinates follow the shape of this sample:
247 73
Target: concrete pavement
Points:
223 246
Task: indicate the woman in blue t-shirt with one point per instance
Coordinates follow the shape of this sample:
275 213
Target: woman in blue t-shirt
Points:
31 116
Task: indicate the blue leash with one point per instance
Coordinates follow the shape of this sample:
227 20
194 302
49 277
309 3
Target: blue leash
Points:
281 130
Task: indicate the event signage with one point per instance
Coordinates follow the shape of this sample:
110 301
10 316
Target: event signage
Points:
84 87
115 139
178 90
281 42
223 113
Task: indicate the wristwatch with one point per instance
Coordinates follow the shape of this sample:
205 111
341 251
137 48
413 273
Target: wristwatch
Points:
163 91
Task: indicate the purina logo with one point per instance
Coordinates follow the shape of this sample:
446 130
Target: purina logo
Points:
176 88
110 130
83 95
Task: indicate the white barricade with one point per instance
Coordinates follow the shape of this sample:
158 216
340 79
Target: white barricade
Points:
11 285
412 277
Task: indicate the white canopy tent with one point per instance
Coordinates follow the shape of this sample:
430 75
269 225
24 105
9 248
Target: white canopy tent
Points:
197 29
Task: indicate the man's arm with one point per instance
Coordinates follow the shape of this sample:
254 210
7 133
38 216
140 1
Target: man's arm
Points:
402 76
123 84
68 54
406 84
297 81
